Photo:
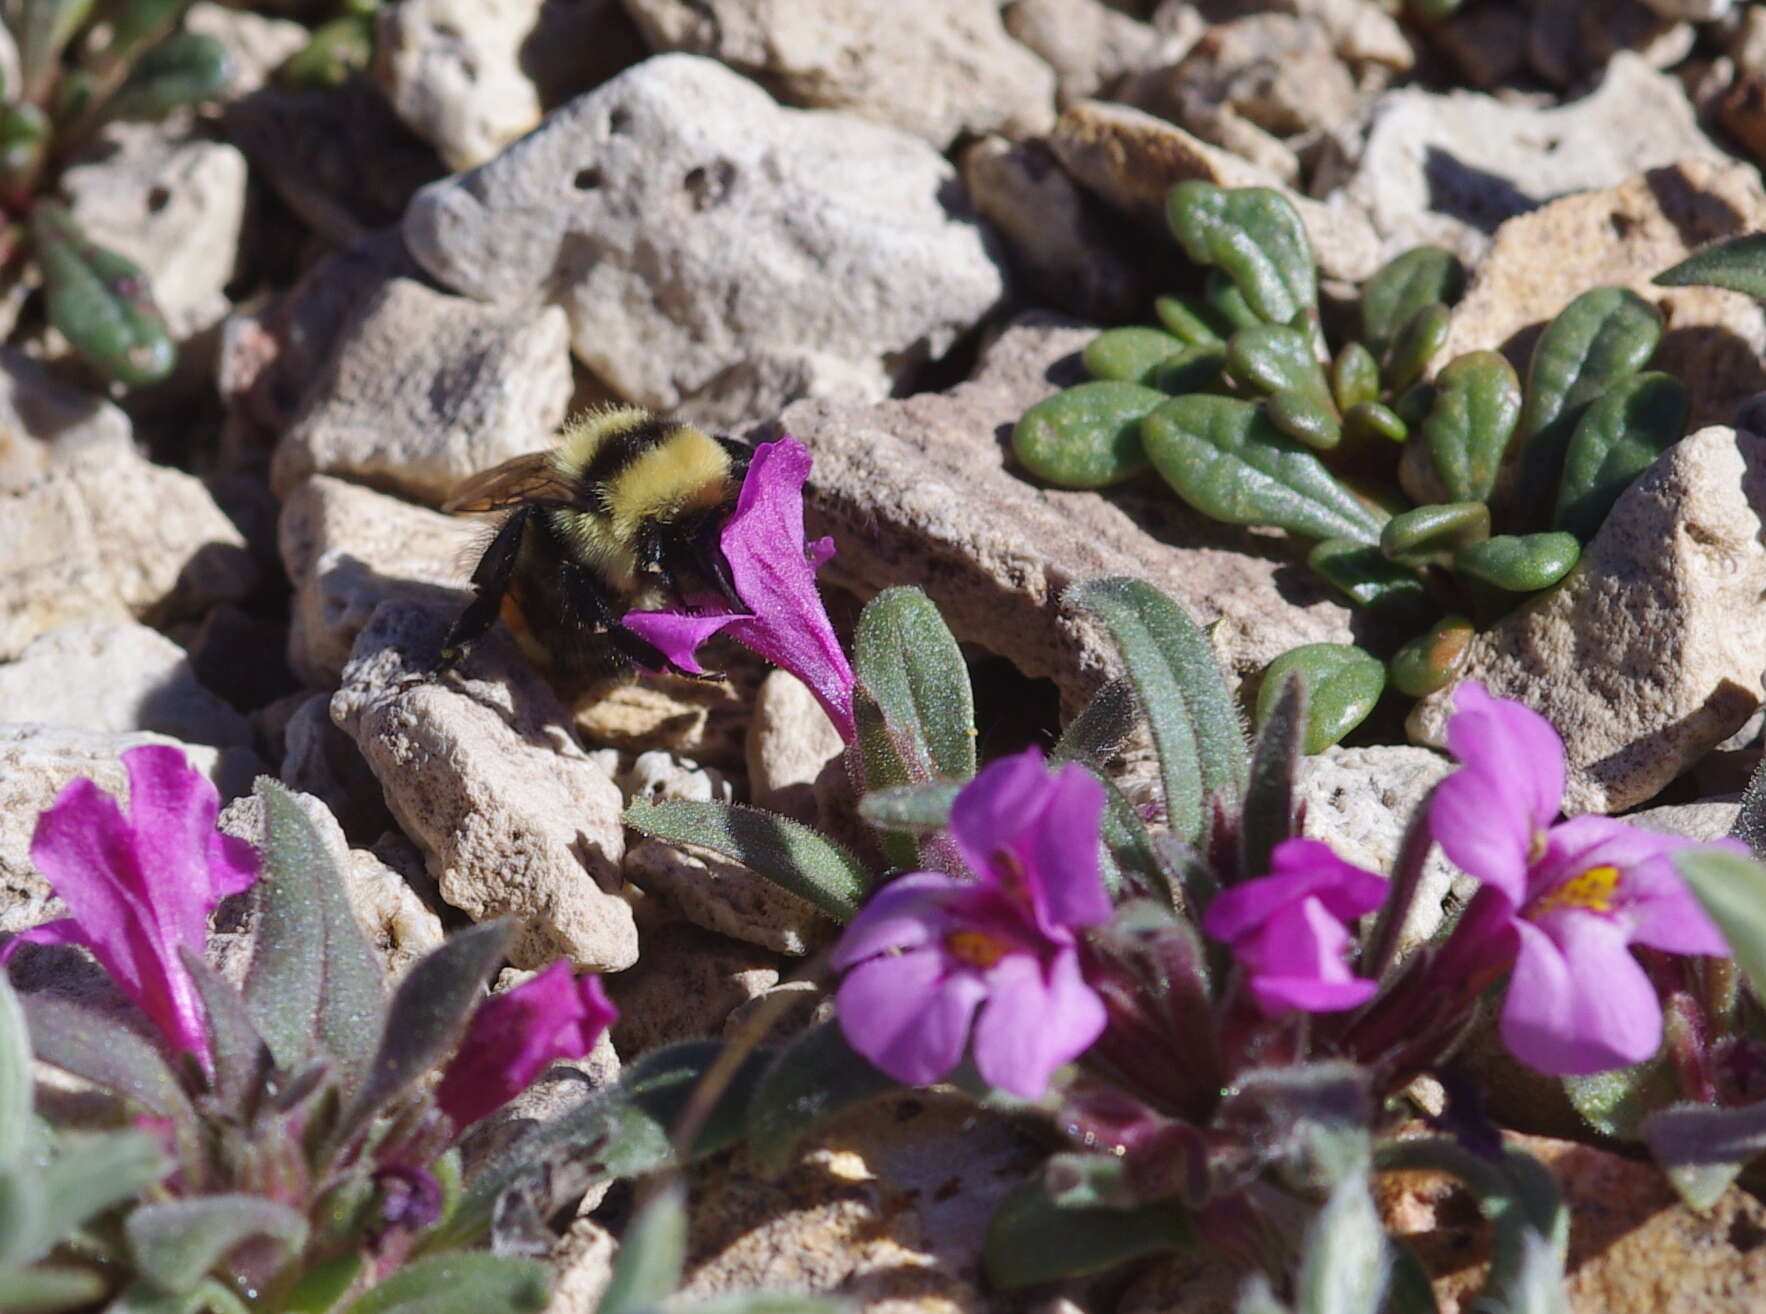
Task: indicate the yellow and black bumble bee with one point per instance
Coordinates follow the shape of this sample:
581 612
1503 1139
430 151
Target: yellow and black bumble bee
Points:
622 514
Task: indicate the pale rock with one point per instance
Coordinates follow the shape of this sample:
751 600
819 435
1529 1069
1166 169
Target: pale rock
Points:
1707 820
726 897
658 775
703 241
1746 46
1448 168
1132 159
935 68
1360 800
452 70
1088 44
1692 11
920 489
684 986
1059 247
482 772
1652 650
424 389
43 421
175 207
1277 70
582 1267
257 44
1360 31
117 677
1623 237
347 549
37 760
108 535
790 741
321 760
703 719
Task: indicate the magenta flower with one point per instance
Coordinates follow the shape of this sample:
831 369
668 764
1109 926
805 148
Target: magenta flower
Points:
932 957
513 1036
1287 929
774 573
140 888
1564 901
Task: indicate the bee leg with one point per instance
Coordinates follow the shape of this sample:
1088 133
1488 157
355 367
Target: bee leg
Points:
597 610
490 581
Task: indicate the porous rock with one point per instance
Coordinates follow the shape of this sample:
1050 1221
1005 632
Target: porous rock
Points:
1131 159
347 549
1449 168
1088 44
108 535
37 760
43 421
726 897
1278 71
582 1267
715 252
482 772
921 489
108 676
1651 650
790 740
173 206
321 760
684 986
1706 820
452 70
658 775
936 68
1625 236
424 389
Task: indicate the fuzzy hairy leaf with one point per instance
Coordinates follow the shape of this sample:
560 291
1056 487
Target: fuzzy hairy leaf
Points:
461 1283
813 1078
1268 814
1344 1268
1032 1239
1732 889
176 1242
1703 1149
651 1255
908 661
47 1290
1736 263
909 809
17 1085
87 1042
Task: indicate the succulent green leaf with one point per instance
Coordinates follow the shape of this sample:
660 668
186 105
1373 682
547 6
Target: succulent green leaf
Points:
1430 535
1415 346
1268 816
1477 403
1373 423
1088 436
42 29
175 1243
1198 369
17 1083
1604 335
461 1283
1229 461
651 1255
186 68
813 1078
1407 283
1306 419
1519 563
1255 236
910 809
1130 355
1278 361
133 26
1430 661
1362 571
1355 377
786 852
1732 889
1178 684
1342 684
24 144
1224 298
47 1290
1032 1239
1194 320
1618 436
1736 263
99 300
338 50
908 661
322 1287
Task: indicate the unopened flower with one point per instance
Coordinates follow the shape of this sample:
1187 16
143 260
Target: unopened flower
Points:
774 573
513 1036
1287 929
140 887
1564 902
933 958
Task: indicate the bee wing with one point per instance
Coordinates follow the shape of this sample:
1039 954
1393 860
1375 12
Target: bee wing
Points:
527 478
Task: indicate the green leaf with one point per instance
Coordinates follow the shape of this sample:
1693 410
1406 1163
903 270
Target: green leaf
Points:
25 136
1402 287
1102 729
1519 563
186 68
17 1083
786 852
813 1078
91 1177
1460 445
1342 684
99 300
1750 819
323 1286
651 1255
1199 369
1736 263
1130 355
339 49
1430 661
1193 320
1031 1239
1732 890
910 809
1279 361
1362 571
1616 1102
1604 335
312 974
1224 297
1415 346
1374 424
1618 436
1255 235
1229 461
461 1284
1088 436
1179 686
1345 1264
85 1041
1429 535
907 660
49 1290
1703 1149
242 1060
1355 377
175 1243
42 29
1269 816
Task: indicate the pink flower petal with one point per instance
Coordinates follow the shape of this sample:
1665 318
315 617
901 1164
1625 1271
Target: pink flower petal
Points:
677 635
1032 1023
1299 869
1481 829
908 1015
1514 746
1578 1002
908 912
1295 960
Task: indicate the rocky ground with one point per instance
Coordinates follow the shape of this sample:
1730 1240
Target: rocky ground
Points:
887 237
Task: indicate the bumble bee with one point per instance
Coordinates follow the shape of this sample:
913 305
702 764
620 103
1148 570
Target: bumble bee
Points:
622 514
